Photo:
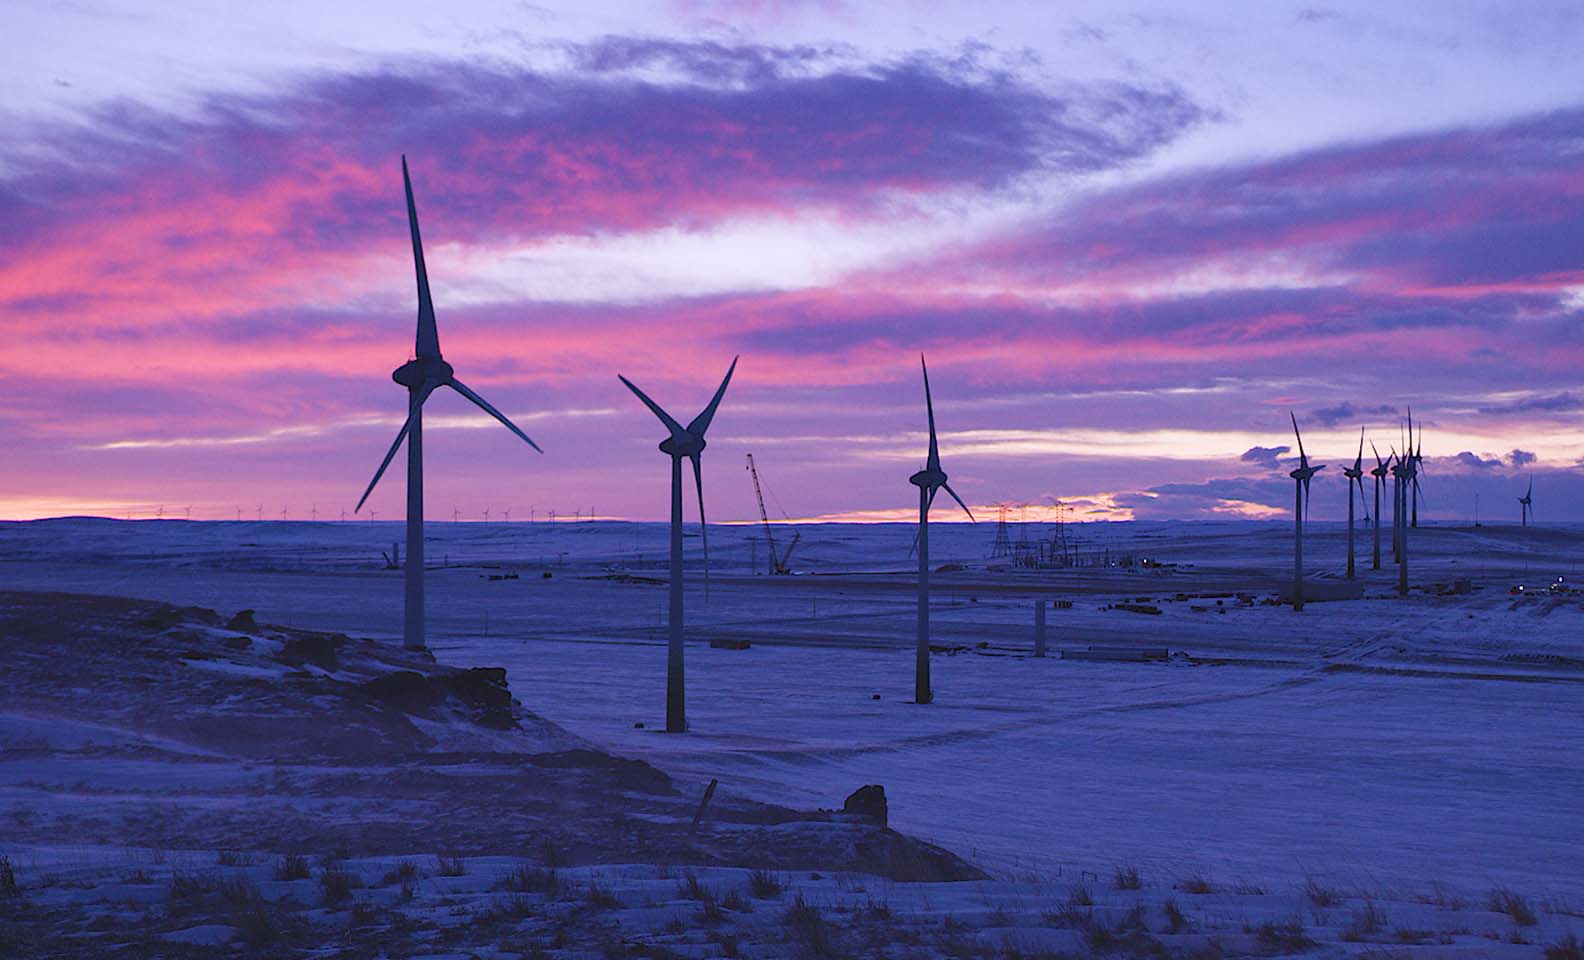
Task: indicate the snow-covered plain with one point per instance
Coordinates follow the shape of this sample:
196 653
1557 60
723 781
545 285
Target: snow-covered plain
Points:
1396 746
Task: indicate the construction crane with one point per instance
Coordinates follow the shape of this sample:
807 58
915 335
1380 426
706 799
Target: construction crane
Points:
778 565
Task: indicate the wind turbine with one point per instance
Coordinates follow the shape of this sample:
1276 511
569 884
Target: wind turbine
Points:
1379 473
1355 477
683 442
929 480
1409 481
1416 454
1526 502
1301 477
422 375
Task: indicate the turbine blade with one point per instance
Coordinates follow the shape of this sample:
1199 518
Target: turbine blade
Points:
413 406
428 344
1358 461
702 421
698 482
929 405
1378 461
483 404
1303 458
665 418
959 500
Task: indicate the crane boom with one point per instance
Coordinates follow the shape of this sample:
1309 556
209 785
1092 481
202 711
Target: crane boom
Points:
763 515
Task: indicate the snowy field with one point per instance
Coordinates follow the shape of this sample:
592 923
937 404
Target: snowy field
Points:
1373 742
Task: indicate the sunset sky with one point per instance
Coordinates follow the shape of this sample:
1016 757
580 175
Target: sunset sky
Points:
1129 238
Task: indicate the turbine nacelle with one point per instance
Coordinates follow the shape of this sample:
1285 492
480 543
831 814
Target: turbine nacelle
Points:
683 445
929 479
415 373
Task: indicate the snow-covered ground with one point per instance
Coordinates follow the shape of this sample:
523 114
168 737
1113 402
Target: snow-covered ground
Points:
1383 745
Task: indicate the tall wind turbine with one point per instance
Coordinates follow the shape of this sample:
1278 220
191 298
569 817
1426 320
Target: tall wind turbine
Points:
1410 478
1301 477
684 442
1526 502
422 375
929 480
1355 478
1416 455
1379 473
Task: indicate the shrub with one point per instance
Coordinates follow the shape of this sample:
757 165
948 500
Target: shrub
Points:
1567 948
709 912
1320 895
1365 923
233 858
1503 900
257 925
764 885
337 884
691 889
1176 921
1196 883
404 873
1127 878
451 866
1286 936
808 927
1080 896
292 867
600 897
526 879
550 855
1069 917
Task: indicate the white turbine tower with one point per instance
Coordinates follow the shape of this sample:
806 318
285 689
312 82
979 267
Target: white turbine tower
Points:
422 375
1526 503
929 480
1301 477
683 442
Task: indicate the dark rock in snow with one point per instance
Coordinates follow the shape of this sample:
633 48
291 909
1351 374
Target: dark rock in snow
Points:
243 620
318 649
869 801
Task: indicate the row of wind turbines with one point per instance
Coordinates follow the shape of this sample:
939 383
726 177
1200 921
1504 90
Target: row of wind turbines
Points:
428 371
1404 469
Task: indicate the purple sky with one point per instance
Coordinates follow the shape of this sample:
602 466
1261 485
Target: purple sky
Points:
1129 240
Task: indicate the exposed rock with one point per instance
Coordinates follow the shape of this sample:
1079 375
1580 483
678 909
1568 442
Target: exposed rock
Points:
481 690
243 620
484 690
868 802
318 649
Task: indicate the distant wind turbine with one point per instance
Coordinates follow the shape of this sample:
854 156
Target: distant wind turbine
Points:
1355 478
929 480
1301 477
1399 472
1416 451
1526 503
1379 473
684 442
1410 480
422 375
